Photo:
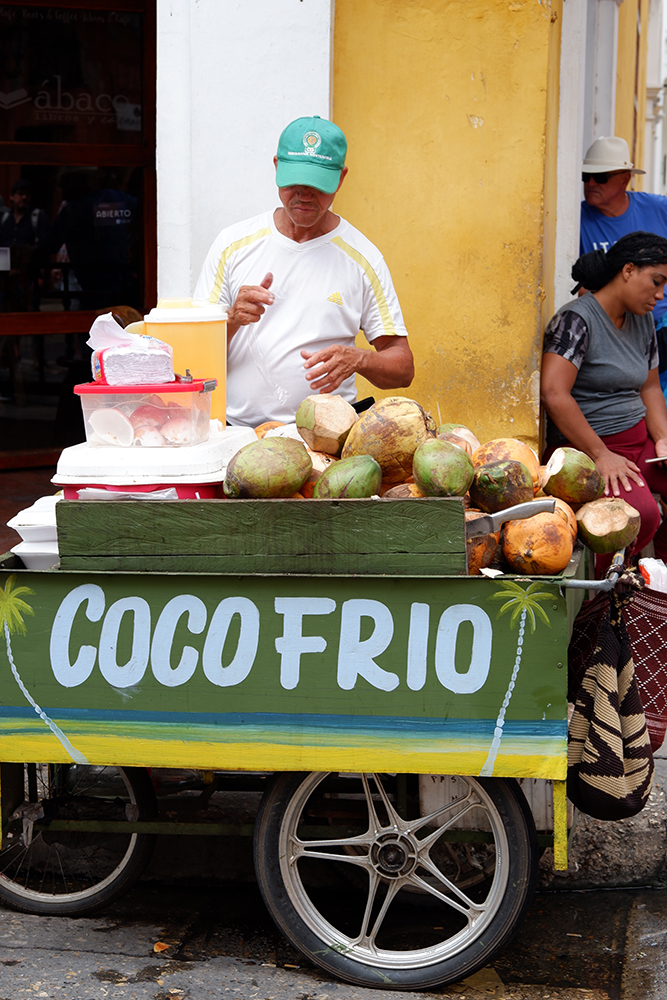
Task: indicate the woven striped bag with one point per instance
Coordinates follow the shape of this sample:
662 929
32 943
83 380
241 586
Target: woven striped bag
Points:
609 760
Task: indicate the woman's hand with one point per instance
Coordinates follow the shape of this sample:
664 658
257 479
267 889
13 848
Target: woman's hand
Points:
661 448
615 469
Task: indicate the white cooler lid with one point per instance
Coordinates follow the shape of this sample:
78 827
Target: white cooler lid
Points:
109 466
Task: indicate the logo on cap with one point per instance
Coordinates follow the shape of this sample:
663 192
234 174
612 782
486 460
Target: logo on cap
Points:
312 141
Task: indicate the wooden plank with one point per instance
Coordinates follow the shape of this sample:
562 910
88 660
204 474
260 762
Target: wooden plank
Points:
353 564
265 536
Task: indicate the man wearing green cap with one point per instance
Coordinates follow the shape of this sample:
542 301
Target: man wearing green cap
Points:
298 285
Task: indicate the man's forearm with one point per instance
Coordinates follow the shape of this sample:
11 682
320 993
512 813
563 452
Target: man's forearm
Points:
391 368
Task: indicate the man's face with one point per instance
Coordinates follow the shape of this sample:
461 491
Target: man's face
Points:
305 206
20 199
601 196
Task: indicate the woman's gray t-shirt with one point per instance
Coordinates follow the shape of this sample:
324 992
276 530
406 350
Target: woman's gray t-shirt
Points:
613 364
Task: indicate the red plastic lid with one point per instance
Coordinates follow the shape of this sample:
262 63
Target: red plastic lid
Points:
102 389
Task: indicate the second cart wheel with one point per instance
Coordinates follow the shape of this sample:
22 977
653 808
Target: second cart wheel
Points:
379 893
59 872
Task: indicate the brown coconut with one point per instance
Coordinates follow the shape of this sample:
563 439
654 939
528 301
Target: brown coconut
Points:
320 463
537 545
481 550
404 491
460 430
458 441
608 524
269 425
572 476
498 485
324 421
509 449
568 514
390 431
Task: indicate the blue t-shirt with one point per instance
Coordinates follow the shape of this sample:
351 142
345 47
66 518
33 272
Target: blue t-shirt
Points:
646 213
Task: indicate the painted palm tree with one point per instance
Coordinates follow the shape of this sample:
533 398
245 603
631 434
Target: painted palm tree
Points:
12 609
524 605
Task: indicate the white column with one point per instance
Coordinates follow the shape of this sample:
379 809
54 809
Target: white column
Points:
570 144
231 75
606 53
174 182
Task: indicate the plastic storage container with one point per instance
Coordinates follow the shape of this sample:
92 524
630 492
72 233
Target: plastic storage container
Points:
170 415
197 333
194 472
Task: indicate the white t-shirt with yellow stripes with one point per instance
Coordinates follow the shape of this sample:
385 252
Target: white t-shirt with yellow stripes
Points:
326 290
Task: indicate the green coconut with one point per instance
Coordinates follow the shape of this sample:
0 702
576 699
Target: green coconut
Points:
461 431
572 476
498 485
442 469
608 524
391 431
324 422
355 477
268 468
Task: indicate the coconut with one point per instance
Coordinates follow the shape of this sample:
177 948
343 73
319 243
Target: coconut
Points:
568 514
458 441
324 422
538 544
178 430
390 431
112 426
272 467
355 477
149 437
608 524
148 415
404 491
497 485
481 550
509 449
460 430
268 425
442 469
572 476
320 463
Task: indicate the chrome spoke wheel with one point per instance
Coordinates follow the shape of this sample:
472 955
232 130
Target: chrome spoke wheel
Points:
47 864
381 890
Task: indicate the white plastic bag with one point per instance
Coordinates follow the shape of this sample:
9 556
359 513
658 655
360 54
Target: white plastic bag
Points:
654 572
122 358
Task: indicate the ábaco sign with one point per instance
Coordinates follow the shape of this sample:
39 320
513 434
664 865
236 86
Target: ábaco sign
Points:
294 627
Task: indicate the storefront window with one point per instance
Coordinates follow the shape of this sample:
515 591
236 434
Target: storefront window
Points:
77 200
70 75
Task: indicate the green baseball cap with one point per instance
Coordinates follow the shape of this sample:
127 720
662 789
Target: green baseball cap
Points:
311 151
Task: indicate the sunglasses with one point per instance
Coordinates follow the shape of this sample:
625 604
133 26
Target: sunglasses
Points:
600 178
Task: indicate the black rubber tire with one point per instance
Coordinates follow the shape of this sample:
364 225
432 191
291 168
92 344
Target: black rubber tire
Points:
274 858
76 874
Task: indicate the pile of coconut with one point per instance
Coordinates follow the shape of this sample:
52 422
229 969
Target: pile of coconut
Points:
395 451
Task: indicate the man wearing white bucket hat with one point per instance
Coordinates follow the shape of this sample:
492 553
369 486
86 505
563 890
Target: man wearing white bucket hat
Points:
610 211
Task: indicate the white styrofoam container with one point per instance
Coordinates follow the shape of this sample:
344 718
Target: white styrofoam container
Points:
37 523
200 463
38 555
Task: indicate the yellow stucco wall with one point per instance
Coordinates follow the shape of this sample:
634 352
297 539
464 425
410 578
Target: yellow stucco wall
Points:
445 106
630 118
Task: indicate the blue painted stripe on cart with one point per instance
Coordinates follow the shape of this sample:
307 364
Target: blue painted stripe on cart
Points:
414 725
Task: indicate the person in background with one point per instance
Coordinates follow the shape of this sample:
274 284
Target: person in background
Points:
599 383
610 211
22 229
298 284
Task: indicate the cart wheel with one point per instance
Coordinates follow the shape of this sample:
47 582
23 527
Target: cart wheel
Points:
393 900
69 872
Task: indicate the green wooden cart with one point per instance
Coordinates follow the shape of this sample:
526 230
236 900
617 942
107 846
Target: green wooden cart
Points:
337 646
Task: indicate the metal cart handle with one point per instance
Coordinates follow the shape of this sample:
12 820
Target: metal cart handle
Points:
609 581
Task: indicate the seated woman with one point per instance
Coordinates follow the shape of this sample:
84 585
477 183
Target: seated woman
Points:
600 385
